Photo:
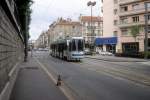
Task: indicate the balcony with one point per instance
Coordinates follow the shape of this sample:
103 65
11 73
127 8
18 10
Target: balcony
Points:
121 2
129 24
133 12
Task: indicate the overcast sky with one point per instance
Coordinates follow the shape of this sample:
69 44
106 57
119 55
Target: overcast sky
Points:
44 12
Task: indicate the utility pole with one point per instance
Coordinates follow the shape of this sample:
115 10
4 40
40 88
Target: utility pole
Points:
25 40
91 24
146 32
92 30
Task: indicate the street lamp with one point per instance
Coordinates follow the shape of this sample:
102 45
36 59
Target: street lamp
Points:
90 3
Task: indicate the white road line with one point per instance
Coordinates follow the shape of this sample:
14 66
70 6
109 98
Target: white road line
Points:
65 91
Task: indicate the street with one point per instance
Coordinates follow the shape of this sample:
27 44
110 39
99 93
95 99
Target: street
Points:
93 79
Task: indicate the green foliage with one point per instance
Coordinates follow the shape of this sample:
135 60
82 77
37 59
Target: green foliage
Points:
24 11
135 30
145 54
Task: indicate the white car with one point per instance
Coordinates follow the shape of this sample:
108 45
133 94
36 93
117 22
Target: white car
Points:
87 52
105 53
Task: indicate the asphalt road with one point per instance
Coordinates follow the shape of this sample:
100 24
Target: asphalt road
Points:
99 80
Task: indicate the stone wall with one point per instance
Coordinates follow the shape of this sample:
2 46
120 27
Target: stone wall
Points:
11 53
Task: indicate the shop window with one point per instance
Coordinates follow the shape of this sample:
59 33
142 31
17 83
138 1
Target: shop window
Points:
130 48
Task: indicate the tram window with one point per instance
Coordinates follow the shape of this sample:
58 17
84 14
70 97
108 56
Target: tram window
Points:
69 46
73 45
65 46
80 45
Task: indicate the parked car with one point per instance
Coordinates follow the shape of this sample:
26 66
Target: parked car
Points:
87 51
50 51
105 53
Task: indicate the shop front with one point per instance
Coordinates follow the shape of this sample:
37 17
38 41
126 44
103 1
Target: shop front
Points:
106 44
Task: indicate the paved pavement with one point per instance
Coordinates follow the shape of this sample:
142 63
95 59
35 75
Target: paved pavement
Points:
116 59
93 79
33 84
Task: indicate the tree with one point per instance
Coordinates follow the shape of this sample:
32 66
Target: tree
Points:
135 30
24 12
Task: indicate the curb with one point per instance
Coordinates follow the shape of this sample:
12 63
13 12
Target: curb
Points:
114 60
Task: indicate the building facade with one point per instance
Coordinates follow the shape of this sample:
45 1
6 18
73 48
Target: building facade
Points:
120 17
59 29
42 41
64 28
92 27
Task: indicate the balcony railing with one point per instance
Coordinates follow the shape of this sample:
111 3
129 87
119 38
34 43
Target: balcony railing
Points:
129 24
132 12
127 1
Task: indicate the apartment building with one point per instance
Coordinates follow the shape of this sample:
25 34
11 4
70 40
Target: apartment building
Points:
120 17
91 31
42 41
63 28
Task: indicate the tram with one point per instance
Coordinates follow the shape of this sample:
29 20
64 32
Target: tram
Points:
69 49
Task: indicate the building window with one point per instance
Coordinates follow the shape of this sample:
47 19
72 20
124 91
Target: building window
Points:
123 20
89 24
148 5
148 17
115 1
135 19
115 11
115 33
149 44
115 22
83 23
101 9
148 28
124 8
124 32
135 6
98 24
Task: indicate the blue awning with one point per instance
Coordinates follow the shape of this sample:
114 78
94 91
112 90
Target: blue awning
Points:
106 41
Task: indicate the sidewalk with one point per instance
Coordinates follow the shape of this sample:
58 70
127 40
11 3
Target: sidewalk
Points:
116 59
33 84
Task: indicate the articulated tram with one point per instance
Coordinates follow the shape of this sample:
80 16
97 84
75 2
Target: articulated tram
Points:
70 49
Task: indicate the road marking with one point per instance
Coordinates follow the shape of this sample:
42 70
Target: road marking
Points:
65 91
145 63
125 74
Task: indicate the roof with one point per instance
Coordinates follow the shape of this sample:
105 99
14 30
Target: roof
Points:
65 22
75 23
94 18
